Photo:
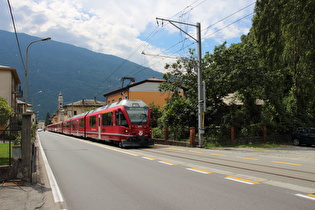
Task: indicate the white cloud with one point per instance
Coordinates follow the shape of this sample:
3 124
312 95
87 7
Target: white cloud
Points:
116 27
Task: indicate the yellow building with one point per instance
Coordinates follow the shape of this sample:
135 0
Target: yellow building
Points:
146 90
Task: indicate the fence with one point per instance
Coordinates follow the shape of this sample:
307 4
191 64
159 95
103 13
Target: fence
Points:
231 137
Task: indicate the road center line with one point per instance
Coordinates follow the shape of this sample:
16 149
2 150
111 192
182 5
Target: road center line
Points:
167 163
149 158
176 149
217 154
295 164
199 170
241 180
248 158
194 151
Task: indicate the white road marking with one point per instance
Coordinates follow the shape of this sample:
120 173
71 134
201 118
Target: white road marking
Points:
199 170
167 163
305 196
53 183
241 180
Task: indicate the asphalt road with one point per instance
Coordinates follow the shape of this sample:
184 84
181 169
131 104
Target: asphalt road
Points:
97 176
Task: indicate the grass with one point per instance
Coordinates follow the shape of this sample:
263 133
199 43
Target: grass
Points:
4 154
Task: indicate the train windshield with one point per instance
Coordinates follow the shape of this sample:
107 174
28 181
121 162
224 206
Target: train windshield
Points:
138 115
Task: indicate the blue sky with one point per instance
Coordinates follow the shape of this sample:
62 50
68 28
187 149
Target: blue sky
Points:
126 28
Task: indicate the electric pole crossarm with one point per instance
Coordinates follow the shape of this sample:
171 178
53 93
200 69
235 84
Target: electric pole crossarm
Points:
173 23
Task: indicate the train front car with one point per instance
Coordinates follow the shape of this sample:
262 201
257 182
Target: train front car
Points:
137 123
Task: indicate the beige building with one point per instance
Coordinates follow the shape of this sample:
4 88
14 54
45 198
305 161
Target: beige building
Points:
75 108
10 89
9 86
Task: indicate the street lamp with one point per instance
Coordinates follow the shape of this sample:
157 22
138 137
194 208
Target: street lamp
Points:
33 98
26 68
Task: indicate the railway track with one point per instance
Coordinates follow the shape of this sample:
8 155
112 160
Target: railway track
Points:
282 172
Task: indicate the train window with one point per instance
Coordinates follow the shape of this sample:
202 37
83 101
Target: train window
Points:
93 121
120 119
82 122
107 119
138 115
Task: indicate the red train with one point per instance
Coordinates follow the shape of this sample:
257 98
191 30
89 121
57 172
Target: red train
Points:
125 123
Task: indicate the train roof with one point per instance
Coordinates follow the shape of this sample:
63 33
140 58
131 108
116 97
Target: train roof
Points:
127 103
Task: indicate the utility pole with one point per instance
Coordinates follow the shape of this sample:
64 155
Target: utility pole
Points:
201 85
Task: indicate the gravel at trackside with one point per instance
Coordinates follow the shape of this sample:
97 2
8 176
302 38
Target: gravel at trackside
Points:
288 152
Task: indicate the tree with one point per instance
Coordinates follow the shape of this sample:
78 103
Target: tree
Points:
47 119
284 32
5 111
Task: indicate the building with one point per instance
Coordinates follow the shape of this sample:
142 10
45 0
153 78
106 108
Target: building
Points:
9 86
10 89
75 108
146 90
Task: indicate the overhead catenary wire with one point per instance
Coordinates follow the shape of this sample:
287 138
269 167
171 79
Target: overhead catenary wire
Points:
150 37
16 35
156 31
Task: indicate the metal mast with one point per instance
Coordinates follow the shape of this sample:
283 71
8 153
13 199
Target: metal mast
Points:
201 85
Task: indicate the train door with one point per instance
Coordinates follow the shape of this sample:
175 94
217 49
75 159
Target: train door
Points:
99 126
107 126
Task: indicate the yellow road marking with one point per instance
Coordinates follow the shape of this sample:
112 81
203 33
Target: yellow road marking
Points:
295 164
167 163
199 170
149 158
176 149
242 180
248 158
217 154
194 151
312 195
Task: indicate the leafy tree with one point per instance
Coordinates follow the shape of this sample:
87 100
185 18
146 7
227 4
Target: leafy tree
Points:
156 113
5 111
284 33
47 119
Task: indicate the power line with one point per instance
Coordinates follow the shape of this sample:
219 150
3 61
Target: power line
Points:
16 35
150 37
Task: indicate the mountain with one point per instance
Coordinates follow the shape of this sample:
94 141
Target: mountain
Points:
76 72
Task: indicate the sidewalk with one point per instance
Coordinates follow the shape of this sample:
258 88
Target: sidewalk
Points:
21 195
17 194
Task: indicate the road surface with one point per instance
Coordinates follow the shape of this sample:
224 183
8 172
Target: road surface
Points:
98 176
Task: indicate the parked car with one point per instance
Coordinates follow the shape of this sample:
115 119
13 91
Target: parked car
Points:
303 135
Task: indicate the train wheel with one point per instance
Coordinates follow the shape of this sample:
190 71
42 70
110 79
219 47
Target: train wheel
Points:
121 145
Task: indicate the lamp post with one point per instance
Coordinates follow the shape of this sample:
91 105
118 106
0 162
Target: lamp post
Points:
33 98
26 68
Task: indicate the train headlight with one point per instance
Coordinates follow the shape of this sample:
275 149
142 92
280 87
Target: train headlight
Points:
127 131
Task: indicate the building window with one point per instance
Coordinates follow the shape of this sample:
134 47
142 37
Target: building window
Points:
75 113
